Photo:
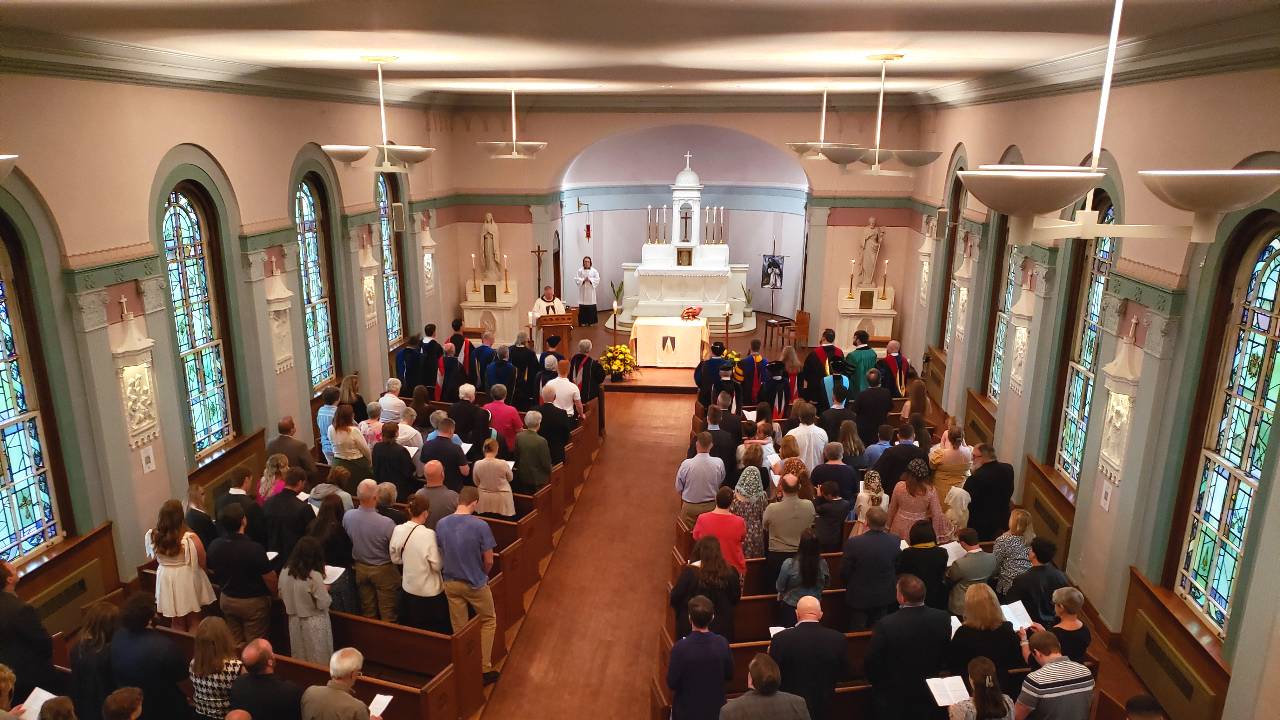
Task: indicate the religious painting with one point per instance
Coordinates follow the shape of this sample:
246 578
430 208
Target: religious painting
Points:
771 272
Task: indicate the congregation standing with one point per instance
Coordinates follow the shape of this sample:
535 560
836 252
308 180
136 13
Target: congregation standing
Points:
823 465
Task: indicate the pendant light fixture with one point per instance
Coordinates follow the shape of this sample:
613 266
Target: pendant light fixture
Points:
877 155
513 149
391 158
823 150
1026 192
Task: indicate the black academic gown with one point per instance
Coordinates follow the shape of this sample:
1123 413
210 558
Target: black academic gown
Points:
705 376
430 369
588 375
751 375
466 354
525 362
816 369
454 376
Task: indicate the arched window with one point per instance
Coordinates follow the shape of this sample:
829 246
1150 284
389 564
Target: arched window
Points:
391 287
28 507
957 292
953 252
195 290
313 265
1083 363
1006 284
1234 450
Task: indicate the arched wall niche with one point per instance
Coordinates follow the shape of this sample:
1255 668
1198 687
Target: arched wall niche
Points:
612 183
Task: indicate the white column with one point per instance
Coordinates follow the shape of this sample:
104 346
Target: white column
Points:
815 292
432 304
962 351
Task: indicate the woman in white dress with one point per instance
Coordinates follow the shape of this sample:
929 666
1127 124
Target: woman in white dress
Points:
588 279
182 585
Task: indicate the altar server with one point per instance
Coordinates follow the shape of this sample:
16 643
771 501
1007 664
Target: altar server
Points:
587 280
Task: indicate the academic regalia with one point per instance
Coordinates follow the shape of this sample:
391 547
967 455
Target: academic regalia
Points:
588 375
816 367
542 358
707 374
500 372
545 377
452 377
780 388
839 376
893 373
484 354
465 353
751 374
431 369
861 359
525 362
409 368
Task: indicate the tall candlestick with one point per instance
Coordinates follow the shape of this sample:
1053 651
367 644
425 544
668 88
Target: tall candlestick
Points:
852 265
473 261
884 282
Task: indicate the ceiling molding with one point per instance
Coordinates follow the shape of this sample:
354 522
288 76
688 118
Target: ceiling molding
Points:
1244 42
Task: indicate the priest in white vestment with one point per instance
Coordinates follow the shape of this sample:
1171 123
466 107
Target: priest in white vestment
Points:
587 279
546 304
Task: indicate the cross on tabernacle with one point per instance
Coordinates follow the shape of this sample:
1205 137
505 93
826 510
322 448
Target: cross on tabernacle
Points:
688 155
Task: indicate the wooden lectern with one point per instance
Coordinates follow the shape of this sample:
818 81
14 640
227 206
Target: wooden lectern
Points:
561 325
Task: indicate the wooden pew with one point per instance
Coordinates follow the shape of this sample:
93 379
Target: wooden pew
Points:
418 652
435 700
538 505
558 505
516 558
573 468
755 614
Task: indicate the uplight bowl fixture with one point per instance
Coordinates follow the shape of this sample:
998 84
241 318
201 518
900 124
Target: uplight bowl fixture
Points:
7 163
844 153
391 158
1210 194
513 149
877 156
346 153
1028 192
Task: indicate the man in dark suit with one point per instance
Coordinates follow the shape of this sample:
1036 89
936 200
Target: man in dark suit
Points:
722 444
197 519
27 648
287 516
730 420
242 494
893 462
868 568
289 446
835 415
143 658
465 413
990 489
261 692
907 647
1035 587
812 658
871 407
555 427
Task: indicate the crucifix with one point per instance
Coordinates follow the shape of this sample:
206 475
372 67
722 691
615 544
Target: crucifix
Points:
539 252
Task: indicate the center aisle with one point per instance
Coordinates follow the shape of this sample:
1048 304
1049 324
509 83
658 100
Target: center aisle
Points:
587 646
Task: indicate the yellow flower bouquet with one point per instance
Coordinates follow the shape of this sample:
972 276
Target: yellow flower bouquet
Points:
618 361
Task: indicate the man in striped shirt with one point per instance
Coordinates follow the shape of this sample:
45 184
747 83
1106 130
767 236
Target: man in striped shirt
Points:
1060 690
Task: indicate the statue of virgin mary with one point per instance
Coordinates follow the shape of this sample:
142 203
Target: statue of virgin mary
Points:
490 250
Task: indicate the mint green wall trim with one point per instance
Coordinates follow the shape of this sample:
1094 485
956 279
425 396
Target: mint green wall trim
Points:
1040 255
51 317
902 202
1163 300
549 198
365 218
100 276
268 239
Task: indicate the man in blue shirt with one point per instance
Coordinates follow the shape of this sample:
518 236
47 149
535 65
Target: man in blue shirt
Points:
466 550
873 452
698 479
324 420
700 665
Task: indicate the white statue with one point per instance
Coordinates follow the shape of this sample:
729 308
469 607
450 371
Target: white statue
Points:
490 250
870 253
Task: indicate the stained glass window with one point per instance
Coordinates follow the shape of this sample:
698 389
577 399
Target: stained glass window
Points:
315 296
1235 445
1007 287
28 511
1084 353
390 264
195 316
956 293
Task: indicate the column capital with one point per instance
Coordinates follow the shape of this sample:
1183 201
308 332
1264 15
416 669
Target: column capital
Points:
155 293
91 310
817 216
1043 278
1162 333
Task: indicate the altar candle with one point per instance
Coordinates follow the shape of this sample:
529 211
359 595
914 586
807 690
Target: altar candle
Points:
504 260
648 213
531 318
473 261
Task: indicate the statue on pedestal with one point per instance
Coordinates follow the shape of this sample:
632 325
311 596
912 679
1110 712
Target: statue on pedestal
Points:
869 254
491 252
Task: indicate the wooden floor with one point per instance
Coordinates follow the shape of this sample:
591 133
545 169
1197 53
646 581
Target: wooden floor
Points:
588 645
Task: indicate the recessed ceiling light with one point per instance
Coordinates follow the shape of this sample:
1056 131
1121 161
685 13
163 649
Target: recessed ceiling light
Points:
379 59
885 57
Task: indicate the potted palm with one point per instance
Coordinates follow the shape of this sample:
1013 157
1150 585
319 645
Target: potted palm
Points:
747 310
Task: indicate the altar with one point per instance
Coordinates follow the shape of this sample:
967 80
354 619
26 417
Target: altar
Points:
685 262
669 342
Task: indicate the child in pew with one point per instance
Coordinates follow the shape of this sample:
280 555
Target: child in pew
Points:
306 600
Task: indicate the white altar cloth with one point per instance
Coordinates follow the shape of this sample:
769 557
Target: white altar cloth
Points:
669 341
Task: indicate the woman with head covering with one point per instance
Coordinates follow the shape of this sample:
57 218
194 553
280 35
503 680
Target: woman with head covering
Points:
749 501
871 495
915 499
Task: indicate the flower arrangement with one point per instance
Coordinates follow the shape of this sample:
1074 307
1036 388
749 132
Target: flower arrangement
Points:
618 360
732 357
